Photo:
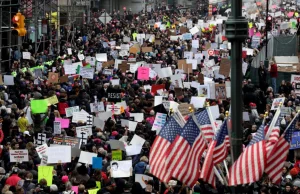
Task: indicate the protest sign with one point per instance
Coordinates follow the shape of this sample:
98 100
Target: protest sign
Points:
143 73
225 67
71 110
18 155
9 80
114 96
99 123
97 163
295 143
101 57
146 49
142 179
74 142
87 73
60 154
53 77
121 169
198 102
276 102
116 155
45 172
56 127
86 157
26 55
139 117
63 122
294 80
137 140
220 91
41 139
52 100
86 129
115 109
159 122
42 150
39 106
116 145
79 117
185 109
132 150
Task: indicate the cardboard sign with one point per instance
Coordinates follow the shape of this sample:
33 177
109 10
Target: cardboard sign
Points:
187 68
201 78
225 67
74 142
53 77
18 155
123 67
146 49
184 109
220 90
63 79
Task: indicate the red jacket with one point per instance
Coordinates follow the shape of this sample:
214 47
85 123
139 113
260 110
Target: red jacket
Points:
273 71
62 107
13 180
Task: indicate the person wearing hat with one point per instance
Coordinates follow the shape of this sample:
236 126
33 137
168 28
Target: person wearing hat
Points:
296 186
14 178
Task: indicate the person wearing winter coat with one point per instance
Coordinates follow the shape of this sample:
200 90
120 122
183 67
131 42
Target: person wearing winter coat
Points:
141 166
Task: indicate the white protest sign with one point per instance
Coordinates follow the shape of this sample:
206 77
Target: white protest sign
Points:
9 80
80 57
87 129
164 72
101 57
26 55
137 140
132 125
41 139
276 102
86 157
198 102
57 127
125 47
71 110
18 155
69 51
194 30
70 69
115 109
132 150
59 154
139 117
87 73
142 179
42 150
121 169
99 123
79 116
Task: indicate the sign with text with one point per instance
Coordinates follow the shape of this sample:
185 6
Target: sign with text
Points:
295 143
18 155
114 96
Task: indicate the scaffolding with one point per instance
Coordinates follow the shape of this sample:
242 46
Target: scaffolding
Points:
48 23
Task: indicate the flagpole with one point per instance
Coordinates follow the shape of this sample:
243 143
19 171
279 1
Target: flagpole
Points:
292 121
273 121
215 130
198 125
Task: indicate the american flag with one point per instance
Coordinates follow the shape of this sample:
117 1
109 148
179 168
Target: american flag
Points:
184 158
217 152
159 149
281 149
250 166
206 127
273 138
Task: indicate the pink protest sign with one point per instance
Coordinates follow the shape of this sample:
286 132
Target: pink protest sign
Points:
75 189
274 6
143 73
258 34
290 14
64 122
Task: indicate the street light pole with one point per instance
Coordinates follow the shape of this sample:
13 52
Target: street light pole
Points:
236 33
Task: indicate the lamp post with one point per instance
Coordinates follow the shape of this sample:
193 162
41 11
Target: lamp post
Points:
236 33
266 63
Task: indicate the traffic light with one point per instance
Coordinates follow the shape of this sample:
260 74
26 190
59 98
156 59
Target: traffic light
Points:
19 25
298 26
269 23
